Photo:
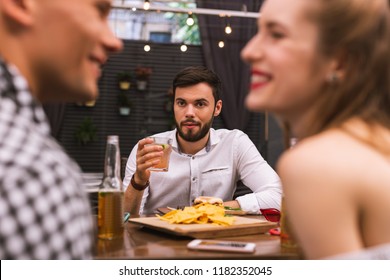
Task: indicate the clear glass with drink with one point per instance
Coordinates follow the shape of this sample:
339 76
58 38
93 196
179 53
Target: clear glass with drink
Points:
166 143
286 238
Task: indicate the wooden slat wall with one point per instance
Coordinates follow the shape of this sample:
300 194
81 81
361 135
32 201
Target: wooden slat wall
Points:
148 114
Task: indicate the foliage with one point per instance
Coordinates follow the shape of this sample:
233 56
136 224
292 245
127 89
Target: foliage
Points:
143 73
124 76
123 100
186 34
85 132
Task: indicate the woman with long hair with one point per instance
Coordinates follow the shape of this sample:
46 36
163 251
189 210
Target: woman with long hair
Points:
322 68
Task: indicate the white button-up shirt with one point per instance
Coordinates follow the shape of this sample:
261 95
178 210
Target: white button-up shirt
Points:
228 157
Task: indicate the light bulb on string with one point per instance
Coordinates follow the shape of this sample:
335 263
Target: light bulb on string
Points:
146 5
228 29
147 48
183 47
190 20
221 44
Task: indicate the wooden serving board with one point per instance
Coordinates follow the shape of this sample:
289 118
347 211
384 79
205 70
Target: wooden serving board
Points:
241 226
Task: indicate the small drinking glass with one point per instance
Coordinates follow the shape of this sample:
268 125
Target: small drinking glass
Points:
272 215
166 143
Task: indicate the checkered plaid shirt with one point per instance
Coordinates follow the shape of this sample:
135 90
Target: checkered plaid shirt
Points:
44 213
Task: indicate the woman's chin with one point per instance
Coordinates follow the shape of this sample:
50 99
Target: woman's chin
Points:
253 103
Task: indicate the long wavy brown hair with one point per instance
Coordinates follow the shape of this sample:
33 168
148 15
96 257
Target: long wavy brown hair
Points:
358 32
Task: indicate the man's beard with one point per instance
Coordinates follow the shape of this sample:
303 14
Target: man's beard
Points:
194 137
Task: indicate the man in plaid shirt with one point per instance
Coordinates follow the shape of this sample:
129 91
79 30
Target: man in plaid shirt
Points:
50 51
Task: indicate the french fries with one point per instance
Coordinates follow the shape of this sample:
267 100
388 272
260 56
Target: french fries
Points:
203 213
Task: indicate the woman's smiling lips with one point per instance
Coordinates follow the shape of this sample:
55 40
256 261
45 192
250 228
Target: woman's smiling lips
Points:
259 79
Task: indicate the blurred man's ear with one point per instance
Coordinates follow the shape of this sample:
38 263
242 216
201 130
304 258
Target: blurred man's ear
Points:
218 108
17 11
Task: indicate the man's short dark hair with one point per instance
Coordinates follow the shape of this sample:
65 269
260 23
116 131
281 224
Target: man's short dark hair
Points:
193 75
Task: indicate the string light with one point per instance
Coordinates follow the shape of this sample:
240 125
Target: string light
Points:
183 48
134 9
146 5
228 29
198 11
221 44
190 20
147 48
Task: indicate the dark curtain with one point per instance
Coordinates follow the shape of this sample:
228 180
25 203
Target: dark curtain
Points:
55 114
234 73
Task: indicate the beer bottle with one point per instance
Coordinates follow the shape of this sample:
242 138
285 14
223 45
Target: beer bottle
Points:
110 196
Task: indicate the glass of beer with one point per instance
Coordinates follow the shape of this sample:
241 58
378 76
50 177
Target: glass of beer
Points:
166 143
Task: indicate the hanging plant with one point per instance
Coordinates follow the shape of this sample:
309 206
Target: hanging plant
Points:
124 104
86 132
124 80
142 75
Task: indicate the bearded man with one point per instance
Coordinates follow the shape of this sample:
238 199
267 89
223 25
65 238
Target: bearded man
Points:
204 161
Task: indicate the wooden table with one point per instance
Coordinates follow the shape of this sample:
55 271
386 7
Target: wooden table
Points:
142 243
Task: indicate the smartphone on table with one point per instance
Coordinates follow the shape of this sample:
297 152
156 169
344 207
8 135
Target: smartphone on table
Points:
221 245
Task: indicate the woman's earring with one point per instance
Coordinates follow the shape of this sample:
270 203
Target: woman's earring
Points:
333 78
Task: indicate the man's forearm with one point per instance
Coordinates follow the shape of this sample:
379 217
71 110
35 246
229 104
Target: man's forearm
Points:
132 200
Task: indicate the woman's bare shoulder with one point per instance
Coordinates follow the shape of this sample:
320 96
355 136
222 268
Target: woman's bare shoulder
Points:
312 147
331 153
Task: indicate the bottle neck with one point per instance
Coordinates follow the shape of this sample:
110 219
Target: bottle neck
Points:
112 167
112 161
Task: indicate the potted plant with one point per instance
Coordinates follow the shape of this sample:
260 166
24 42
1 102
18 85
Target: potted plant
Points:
124 80
124 104
142 75
85 132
